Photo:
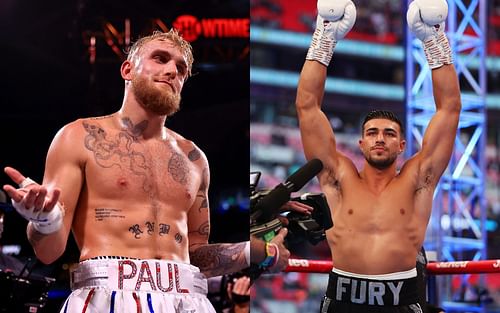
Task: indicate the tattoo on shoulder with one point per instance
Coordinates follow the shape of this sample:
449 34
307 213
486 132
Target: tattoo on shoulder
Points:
203 204
204 180
194 155
178 168
203 190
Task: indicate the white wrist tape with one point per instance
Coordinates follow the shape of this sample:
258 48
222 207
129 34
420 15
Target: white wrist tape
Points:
247 252
437 51
26 182
43 222
322 46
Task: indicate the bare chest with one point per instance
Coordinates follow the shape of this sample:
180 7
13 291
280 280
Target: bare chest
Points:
361 209
122 167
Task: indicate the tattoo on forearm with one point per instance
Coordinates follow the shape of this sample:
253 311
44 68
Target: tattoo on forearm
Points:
194 155
136 230
178 168
104 213
219 259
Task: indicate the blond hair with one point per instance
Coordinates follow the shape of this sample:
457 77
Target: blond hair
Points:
172 35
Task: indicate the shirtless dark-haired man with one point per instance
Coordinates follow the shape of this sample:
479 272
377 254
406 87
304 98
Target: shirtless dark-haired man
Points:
380 214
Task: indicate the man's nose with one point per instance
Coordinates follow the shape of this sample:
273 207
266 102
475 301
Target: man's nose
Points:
171 68
380 137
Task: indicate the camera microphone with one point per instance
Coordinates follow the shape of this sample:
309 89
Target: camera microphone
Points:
266 208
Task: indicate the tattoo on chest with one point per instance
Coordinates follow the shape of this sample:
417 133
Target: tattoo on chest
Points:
134 130
178 168
106 213
118 151
149 227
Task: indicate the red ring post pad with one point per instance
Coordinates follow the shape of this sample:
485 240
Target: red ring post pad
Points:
436 268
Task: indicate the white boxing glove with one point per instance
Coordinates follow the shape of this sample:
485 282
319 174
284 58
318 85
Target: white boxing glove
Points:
43 222
335 19
426 20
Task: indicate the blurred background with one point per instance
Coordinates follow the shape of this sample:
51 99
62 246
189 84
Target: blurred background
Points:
60 62
367 72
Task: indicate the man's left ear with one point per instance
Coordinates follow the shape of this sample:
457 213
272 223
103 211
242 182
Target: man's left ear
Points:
402 146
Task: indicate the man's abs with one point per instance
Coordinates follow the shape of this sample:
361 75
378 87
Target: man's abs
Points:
131 230
357 251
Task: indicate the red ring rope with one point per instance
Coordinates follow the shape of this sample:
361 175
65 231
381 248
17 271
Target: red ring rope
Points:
436 268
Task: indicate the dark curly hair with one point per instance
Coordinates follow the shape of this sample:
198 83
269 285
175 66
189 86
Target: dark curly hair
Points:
388 115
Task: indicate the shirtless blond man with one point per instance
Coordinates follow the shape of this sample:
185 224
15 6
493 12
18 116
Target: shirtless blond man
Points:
135 195
380 215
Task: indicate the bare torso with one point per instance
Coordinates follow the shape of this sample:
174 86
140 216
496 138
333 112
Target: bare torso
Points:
376 231
136 193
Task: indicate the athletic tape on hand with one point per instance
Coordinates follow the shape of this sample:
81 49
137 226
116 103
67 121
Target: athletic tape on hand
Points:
43 222
26 182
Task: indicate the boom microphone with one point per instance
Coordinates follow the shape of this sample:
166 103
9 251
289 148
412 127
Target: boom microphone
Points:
266 208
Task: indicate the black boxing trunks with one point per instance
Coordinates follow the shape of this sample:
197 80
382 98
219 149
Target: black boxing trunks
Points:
387 293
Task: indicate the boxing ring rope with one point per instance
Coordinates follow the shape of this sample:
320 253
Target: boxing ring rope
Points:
436 268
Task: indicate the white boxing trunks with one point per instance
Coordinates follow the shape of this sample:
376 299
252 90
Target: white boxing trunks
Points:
137 286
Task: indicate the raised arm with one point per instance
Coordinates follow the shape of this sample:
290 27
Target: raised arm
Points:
212 259
50 206
426 20
335 19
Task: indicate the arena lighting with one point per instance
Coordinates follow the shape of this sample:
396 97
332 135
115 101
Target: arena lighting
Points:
358 88
350 47
118 36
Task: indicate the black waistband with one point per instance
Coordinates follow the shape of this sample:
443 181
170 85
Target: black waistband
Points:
372 292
